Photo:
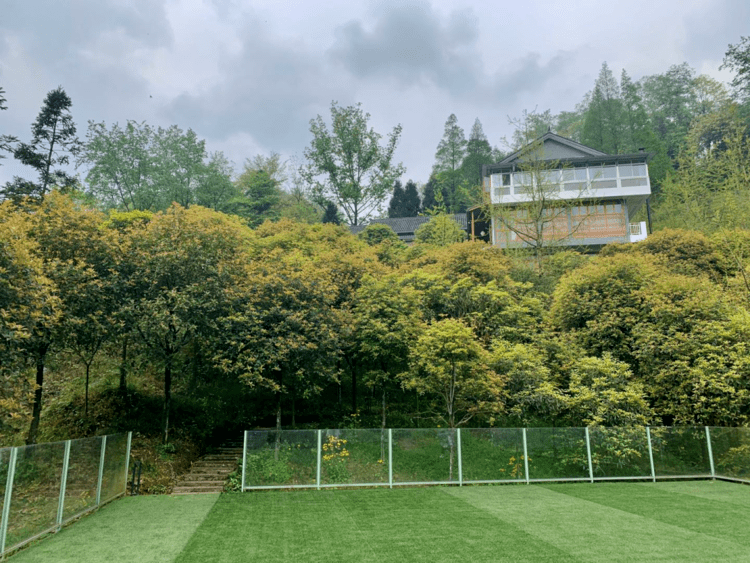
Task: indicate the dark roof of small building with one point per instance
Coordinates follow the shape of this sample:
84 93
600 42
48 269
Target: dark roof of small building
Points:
552 137
405 227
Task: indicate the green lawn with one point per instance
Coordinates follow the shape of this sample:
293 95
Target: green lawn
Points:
674 521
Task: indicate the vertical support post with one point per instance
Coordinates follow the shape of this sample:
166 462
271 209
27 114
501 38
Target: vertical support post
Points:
64 484
390 458
244 458
127 461
460 462
101 472
317 479
8 496
650 453
710 453
588 454
525 457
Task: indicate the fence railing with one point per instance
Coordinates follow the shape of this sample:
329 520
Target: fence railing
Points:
43 486
436 456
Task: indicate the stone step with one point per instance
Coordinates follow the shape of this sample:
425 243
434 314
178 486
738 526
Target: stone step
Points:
196 490
193 483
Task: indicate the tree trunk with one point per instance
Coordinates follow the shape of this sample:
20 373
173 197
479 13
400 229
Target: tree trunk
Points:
36 411
86 394
124 366
167 397
382 430
278 428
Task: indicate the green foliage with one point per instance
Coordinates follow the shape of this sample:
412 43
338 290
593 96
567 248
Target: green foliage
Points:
440 230
377 233
348 164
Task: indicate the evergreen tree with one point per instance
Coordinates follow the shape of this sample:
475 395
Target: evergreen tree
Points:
602 128
431 190
53 141
448 158
396 205
478 153
412 205
331 214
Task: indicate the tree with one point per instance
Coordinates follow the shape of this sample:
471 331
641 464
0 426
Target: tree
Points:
737 59
53 142
348 164
396 205
260 198
6 141
440 230
450 153
185 266
179 167
478 153
331 214
412 204
603 127
449 364
376 233
434 191
216 189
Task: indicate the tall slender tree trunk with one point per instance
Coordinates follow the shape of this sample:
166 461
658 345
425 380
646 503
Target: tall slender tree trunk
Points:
167 396
36 411
124 366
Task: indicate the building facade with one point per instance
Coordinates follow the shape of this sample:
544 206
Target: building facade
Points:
559 192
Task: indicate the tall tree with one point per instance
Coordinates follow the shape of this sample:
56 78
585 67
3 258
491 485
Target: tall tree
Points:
478 153
348 164
737 59
450 153
6 141
603 126
412 204
396 205
53 142
260 196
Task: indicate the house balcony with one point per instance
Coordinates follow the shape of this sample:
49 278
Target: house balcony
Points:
637 231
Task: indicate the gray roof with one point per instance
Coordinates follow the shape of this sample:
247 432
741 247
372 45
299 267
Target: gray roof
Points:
405 227
552 138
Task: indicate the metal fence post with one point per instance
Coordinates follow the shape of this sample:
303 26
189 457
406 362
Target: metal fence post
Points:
8 496
390 458
710 453
525 457
460 464
650 453
64 483
244 457
317 480
588 454
101 472
127 461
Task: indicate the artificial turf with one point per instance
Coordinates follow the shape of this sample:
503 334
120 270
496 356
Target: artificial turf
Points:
671 521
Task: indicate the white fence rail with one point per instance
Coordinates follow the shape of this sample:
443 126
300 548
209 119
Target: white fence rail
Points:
43 486
439 456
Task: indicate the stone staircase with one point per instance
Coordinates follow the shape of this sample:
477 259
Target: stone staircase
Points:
209 473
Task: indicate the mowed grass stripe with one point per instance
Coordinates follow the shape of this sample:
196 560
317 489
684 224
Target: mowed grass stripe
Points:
721 491
152 529
415 525
668 505
594 532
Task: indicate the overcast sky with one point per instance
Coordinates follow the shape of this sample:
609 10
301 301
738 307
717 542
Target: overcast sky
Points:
248 76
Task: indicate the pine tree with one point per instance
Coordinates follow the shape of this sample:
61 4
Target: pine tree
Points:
448 158
412 205
478 153
53 141
331 214
396 205
603 125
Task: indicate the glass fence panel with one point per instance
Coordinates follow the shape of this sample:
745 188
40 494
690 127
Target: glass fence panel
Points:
36 491
492 454
557 453
731 451
276 458
83 473
350 456
424 455
619 452
114 478
680 451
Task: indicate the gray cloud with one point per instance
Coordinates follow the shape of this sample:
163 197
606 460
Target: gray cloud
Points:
413 44
270 90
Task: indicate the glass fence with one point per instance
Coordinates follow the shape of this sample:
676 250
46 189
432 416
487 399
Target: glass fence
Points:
43 486
434 456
